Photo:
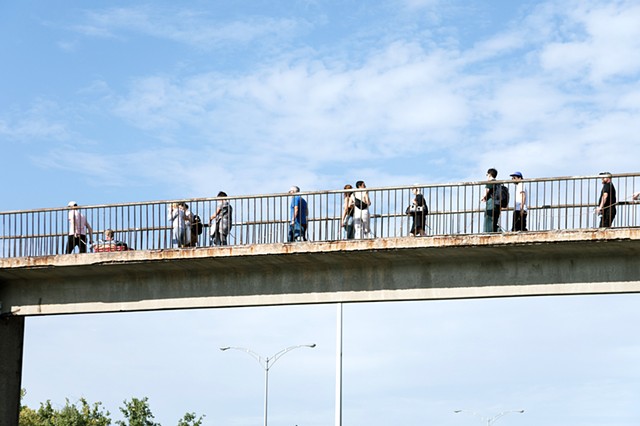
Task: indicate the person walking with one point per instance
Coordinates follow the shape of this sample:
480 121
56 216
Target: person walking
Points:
347 214
78 228
223 221
520 210
361 217
607 202
418 210
298 216
492 208
177 217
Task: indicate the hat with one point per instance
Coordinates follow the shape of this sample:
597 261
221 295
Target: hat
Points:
294 189
72 204
605 174
516 174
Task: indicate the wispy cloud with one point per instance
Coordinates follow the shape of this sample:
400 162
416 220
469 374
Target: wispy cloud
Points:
508 101
184 26
597 42
41 123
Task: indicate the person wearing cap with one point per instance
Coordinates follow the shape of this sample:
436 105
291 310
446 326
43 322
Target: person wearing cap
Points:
78 227
607 203
298 216
520 210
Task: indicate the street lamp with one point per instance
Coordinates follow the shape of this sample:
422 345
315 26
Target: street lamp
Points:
490 420
266 363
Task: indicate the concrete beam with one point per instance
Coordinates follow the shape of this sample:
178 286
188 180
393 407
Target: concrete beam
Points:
11 344
465 266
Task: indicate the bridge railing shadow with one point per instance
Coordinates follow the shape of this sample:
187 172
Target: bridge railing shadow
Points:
454 208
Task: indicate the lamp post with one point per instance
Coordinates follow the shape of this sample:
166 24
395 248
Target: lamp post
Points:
490 420
266 363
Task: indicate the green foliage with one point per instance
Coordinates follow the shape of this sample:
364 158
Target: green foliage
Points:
189 419
137 413
69 415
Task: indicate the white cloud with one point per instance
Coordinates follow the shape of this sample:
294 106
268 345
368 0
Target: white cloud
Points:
40 123
183 26
601 42
313 114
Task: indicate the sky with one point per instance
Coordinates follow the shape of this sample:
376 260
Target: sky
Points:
108 102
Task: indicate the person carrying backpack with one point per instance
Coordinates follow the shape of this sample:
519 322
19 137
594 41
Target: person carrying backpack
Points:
496 199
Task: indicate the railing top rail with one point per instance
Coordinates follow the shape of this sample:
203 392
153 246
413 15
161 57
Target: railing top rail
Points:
320 192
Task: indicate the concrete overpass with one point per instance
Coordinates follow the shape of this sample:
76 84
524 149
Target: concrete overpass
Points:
386 269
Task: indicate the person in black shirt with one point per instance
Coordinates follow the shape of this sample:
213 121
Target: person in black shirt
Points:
492 209
607 203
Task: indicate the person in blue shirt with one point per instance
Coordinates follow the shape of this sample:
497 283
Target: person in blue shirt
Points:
298 212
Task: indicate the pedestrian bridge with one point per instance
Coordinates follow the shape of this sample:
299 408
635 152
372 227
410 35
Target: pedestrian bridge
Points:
385 269
562 254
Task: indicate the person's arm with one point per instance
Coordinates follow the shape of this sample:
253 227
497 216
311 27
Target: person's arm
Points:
603 201
72 223
295 214
486 195
213 216
366 199
523 200
345 212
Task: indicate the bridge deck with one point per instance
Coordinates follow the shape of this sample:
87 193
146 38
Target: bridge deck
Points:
385 269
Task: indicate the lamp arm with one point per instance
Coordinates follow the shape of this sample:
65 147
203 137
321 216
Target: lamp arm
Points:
270 361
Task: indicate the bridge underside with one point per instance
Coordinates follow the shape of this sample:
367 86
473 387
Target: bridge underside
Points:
465 266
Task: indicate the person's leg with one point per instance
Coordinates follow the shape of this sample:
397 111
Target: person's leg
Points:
488 221
605 218
524 220
517 221
366 229
357 224
496 218
82 243
70 244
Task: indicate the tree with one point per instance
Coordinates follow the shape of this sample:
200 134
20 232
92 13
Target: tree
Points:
189 419
69 415
137 413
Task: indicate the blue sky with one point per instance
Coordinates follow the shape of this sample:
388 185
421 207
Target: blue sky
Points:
108 102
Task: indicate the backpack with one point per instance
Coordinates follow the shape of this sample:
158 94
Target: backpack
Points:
501 195
196 225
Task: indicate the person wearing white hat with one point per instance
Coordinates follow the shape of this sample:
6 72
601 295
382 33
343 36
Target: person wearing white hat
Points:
78 227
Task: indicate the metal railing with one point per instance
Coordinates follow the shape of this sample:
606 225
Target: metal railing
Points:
553 204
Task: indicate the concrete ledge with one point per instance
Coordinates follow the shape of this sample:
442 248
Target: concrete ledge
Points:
462 266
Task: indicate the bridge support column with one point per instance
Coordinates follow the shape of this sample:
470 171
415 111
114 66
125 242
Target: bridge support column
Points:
11 343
